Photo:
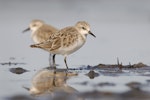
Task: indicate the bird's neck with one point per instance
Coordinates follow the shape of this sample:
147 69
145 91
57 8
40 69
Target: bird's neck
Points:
84 36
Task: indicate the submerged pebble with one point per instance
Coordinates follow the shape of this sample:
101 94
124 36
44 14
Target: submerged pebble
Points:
92 74
18 70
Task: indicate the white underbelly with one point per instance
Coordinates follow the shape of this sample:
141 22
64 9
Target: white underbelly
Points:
35 40
70 49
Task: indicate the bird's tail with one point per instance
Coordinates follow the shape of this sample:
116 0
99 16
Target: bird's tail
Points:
35 46
43 45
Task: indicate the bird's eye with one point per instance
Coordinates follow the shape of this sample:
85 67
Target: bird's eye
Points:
84 28
34 25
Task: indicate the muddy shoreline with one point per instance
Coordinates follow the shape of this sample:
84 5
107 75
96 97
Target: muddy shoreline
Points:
59 87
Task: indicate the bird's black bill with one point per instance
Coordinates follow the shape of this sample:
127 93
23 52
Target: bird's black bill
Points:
28 89
92 34
26 30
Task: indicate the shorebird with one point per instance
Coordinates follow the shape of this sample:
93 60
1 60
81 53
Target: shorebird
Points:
67 40
40 32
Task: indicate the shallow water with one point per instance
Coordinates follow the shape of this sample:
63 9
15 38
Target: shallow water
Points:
82 83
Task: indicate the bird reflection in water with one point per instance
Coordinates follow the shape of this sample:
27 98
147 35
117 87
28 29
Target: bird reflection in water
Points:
49 81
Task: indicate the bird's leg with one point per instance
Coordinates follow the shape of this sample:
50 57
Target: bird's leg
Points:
50 59
54 60
66 62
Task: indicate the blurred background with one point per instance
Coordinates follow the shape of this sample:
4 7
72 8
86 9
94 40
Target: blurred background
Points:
122 28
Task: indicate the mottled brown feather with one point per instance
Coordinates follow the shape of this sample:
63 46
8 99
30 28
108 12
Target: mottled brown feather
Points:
44 32
64 37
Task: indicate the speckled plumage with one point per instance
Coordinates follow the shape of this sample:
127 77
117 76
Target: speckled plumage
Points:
67 40
40 31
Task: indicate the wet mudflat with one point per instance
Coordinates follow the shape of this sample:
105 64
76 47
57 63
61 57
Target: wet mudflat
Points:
100 82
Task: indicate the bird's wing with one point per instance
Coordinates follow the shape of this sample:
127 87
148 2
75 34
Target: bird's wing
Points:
68 36
45 32
60 38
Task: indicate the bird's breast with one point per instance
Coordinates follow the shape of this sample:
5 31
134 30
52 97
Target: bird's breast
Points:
66 50
36 38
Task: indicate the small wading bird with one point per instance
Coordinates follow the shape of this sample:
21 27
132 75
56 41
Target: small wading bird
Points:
40 32
67 40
